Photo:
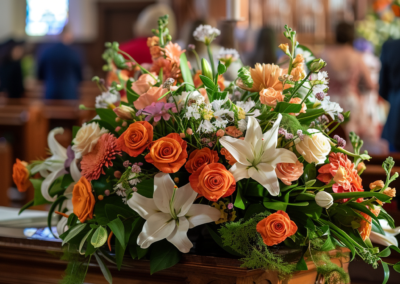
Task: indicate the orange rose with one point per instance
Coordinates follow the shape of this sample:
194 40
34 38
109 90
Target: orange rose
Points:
276 228
228 156
83 200
143 84
168 154
270 97
233 131
396 10
298 101
21 175
288 172
213 181
136 138
199 158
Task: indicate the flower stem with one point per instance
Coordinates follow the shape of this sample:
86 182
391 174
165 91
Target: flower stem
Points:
197 59
140 66
211 59
292 56
301 84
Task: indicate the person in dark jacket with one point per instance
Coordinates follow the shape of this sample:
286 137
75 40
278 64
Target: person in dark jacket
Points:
389 89
11 77
60 68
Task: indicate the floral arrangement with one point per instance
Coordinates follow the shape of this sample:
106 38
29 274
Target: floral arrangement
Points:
381 24
252 161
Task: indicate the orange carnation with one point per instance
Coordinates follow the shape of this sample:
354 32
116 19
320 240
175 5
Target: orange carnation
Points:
276 228
136 138
228 156
168 154
21 175
83 200
213 181
199 158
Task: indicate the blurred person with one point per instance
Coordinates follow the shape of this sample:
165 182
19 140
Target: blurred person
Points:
11 76
265 49
147 20
60 68
347 72
389 89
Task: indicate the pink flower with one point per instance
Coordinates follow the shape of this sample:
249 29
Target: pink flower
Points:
101 156
151 96
158 111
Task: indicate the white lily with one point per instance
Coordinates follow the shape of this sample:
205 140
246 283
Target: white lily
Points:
67 204
389 238
170 213
257 155
53 167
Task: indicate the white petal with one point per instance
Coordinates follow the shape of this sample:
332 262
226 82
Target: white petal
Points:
279 155
55 148
253 133
48 181
239 171
144 206
383 240
61 226
266 176
200 214
163 190
179 236
271 136
75 173
184 197
239 149
159 226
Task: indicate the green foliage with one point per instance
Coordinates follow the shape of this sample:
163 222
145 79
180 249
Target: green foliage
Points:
163 255
242 237
329 270
187 76
291 124
76 268
284 107
244 74
38 197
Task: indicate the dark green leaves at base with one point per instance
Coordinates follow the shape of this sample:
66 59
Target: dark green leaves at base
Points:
104 269
163 255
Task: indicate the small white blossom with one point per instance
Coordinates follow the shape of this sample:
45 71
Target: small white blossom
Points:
242 125
206 127
105 99
220 110
193 111
187 97
120 190
331 108
228 54
247 106
220 123
134 181
320 78
319 89
206 33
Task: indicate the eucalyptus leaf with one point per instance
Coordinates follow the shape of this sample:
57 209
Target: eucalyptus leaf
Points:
72 232
104 269
83 241
99 237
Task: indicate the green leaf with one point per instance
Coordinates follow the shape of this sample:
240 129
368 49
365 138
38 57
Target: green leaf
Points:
301 265
310 172
66 181
310 183
38 197
221 68
207 82
90 249
279 205
113 211
305 196
163 255
253 209
240 201
72 232
130 93
310 115
380 196
328 245
141 252
75 130
118 229
385 252
186 74
284 107
313 210
104 269
386 272
133 251
56 188
376 227
107 115
384 215
99 237
26 206
362 208
106 125
146 188
212 229
119 253
59 200
396 267
84 240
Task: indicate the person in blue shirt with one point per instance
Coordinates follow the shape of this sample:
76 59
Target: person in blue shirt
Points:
389 89
60 68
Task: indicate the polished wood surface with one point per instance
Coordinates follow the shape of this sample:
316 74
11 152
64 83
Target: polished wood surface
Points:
35 261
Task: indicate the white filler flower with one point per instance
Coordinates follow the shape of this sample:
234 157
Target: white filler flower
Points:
170 213
206 33
257 155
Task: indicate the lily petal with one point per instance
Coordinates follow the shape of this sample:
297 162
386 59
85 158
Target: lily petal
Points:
279 155
144 206
200 214
239 171
383 240
163 191
266 176
58 151
239 149
159 226
271 136
75 173
184 197
253 134
48 181
179 236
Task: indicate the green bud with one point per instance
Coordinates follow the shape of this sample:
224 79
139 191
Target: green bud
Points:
96 79
105 68
108 44
82 107
206 68
365 157
115 45
316 65
244 74
169 37
119 87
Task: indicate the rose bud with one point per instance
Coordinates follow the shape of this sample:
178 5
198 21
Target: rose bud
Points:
220 133
124 112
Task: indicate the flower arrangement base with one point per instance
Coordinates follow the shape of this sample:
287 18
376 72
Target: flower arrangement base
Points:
41 263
